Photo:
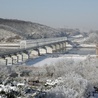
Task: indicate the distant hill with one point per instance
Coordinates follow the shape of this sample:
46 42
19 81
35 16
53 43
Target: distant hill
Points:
69 32
92 38
13 29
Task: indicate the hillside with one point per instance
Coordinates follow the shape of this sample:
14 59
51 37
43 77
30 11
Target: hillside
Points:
92 38
13 30
26 30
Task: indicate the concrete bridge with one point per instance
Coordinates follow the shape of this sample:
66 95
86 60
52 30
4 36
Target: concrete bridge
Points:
30 48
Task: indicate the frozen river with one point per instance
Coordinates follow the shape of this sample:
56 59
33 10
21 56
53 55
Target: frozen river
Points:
81 51
74 51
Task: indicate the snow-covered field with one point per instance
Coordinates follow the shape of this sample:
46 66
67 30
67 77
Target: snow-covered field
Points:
51 61
76 75
70 75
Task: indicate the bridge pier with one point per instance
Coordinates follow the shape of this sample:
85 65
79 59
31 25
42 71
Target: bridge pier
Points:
14 59
8 60
53 48
48 49
42 51
25 56
33 53
64 44
2 61
57 47
61 45
19 58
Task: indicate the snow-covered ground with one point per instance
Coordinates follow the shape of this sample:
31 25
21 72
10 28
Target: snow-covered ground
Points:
75 75
78 38
50 60
71 53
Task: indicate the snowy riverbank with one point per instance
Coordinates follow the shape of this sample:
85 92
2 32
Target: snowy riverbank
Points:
75 75
59 76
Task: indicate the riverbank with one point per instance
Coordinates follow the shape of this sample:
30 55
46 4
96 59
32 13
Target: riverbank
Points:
58 77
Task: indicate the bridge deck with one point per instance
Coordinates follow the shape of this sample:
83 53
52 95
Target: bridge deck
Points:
30 44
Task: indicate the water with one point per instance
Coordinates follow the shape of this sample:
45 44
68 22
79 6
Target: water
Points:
81 51
74 51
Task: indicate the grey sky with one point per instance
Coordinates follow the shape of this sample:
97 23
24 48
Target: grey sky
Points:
81 14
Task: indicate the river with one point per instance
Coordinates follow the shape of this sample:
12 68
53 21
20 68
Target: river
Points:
73 51
81 51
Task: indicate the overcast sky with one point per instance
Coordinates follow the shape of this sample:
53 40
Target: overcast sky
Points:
82 14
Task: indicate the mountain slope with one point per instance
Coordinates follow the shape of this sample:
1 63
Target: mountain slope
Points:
92 38
27 30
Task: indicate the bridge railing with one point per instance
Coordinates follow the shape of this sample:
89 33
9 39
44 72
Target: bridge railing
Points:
24 44
41 42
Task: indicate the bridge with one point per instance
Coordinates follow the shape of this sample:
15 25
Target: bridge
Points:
27 49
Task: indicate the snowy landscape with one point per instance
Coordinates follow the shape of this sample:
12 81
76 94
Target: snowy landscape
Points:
55 77
68 74
71 72
48 48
